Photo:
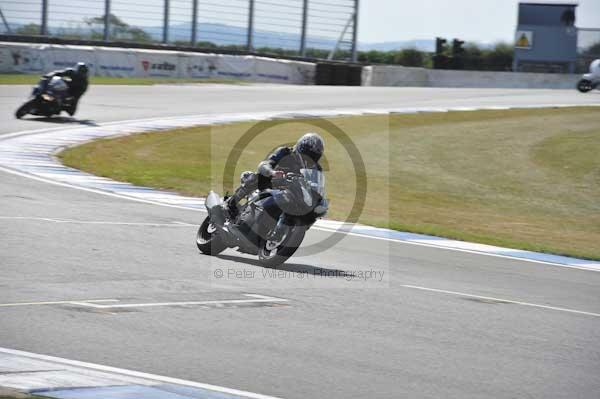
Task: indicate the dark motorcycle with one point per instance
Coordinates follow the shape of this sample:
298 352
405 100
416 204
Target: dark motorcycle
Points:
48 102
254 231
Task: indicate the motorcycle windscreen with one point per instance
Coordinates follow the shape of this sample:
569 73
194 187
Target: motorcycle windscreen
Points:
316 179
212 199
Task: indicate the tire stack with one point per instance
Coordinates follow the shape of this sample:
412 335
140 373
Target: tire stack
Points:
338 74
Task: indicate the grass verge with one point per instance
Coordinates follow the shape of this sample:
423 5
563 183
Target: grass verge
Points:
9 393
526 179
23 79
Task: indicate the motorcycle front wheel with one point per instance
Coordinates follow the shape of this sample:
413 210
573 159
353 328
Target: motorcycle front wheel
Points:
23 109
584 85
273 256
208 240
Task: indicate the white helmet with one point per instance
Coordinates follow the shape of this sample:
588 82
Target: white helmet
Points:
595 67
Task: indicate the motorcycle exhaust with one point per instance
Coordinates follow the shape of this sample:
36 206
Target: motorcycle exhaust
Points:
214 206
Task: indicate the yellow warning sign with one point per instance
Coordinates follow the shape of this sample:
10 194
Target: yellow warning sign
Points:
524 39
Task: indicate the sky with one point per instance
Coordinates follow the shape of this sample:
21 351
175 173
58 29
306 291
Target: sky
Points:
482 21
486 21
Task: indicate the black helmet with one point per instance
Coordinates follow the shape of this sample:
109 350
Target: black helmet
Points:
311 145
81 68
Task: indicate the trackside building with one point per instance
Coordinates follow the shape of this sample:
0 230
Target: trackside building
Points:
546 37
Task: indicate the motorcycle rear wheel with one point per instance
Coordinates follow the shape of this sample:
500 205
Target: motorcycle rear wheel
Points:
277 256
208 240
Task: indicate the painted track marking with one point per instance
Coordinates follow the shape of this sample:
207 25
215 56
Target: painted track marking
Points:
500 300
117 372
100 222
15 304
256 298
99 303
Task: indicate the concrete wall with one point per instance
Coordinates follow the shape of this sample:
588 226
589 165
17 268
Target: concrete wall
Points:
40 58
128 62
388 75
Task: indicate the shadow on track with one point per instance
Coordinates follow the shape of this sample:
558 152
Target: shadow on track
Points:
290 267
62 120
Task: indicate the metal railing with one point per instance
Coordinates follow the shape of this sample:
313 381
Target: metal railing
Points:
314 28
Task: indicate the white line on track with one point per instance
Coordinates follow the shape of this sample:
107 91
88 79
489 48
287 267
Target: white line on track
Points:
15 304
135 374
53 220
98 303
592 268
255 299
489 298
90 190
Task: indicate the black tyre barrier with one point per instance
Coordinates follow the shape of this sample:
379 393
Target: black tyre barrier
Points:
338 74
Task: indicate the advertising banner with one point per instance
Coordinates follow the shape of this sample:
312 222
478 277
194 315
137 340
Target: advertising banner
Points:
115 62
197 66
283 71
157 63
61 57
22 59
234 66
124 62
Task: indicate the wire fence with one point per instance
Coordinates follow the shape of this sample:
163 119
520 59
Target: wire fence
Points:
313 28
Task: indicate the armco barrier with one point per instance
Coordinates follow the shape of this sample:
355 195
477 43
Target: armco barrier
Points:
126 62
387 75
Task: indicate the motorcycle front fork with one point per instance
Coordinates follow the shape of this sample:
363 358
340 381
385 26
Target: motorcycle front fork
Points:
280 230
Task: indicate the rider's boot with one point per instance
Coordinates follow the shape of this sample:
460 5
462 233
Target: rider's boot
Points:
72 107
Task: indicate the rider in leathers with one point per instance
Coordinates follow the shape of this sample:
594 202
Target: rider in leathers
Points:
77 82
308 150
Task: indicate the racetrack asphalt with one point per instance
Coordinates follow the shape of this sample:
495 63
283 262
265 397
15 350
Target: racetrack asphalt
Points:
443 324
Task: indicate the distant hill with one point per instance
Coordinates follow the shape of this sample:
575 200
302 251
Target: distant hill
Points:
223 35
423 45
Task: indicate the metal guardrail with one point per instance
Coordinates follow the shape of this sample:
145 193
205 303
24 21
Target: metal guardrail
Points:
294 26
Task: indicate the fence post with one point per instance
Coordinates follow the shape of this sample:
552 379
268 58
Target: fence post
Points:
106 20
355 31
304 25
6 25
250 44
194 22
166 22
44 25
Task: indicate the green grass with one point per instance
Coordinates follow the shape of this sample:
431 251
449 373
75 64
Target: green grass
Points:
23 79
8 393
526 179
